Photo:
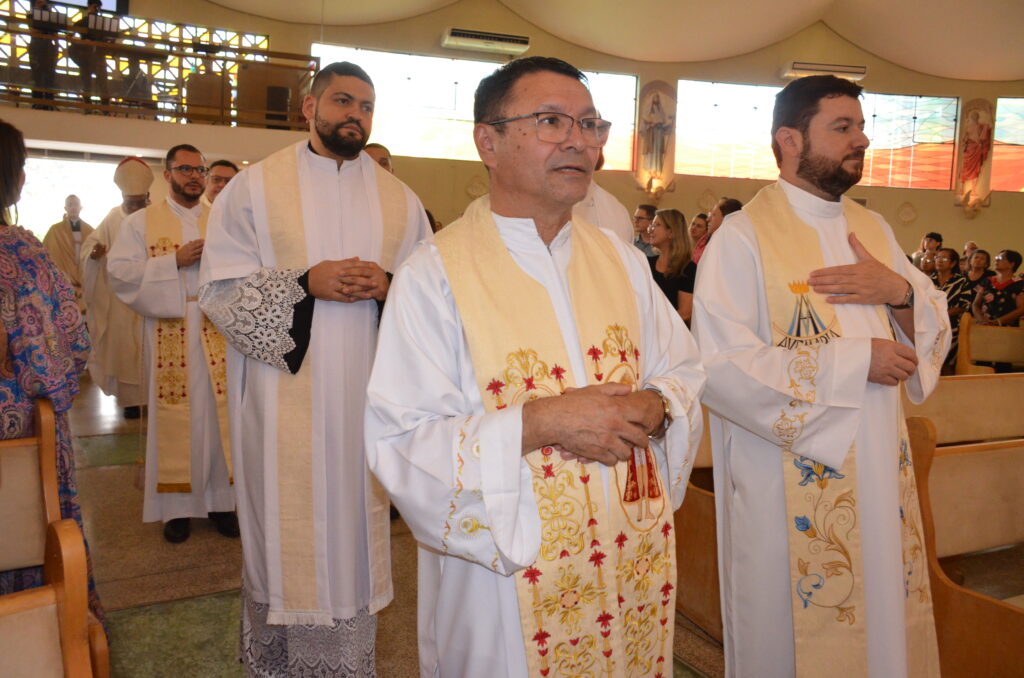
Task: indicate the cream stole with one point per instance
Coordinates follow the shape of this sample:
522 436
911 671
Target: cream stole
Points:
826 567
174 448
299 591
599 598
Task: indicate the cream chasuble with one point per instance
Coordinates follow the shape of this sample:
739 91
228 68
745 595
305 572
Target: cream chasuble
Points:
815 495
599 598
63 248
170 377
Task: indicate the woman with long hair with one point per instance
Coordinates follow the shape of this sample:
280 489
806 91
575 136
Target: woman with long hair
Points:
673 268
947 277
45 344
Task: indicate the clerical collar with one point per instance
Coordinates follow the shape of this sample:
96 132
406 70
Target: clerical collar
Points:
76 226
521 232
180 209
330 162
805 201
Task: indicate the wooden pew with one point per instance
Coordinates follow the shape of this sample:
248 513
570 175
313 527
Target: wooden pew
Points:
34 534
697 592
987 343
968 452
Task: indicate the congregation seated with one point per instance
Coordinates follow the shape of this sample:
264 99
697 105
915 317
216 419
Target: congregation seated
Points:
1000 298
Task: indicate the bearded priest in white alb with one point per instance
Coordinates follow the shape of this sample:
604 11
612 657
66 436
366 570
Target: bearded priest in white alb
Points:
154 269
115 363
518 345
295 271
809 318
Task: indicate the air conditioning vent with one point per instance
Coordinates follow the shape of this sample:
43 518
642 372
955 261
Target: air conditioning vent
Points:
483 41
799 69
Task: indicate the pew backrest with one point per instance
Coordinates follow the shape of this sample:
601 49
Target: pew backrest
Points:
987 343
974 407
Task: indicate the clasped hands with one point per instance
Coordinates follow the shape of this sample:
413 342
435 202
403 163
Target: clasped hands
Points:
348 280
595 423
869 281
189 253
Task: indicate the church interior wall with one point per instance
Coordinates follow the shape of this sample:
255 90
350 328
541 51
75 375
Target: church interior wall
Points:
447 186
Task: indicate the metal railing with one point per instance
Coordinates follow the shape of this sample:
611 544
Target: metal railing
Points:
142 68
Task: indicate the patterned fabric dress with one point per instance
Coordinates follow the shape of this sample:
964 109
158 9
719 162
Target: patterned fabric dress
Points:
998 299
47 347
958 295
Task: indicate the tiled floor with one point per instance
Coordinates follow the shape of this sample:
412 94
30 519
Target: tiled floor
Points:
173 609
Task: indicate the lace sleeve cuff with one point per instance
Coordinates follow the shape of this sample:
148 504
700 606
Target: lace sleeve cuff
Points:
266 316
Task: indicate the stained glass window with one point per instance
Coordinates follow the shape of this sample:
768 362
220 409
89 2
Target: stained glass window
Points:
1008 151
724 130
161 82
425 104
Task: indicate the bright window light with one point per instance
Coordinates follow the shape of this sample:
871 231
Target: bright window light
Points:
49 181
425 104
724 130
1008 151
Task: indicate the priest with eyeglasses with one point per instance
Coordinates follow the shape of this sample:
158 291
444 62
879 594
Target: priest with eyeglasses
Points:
533 410
153 268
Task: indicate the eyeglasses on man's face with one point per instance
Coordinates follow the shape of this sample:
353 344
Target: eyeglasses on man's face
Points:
190 169
555 128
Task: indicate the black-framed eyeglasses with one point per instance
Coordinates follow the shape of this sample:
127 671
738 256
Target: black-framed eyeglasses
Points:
636 218
190 169
555 128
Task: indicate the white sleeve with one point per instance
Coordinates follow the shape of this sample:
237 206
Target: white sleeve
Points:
150 286
749 381
455 472
932 331
672 366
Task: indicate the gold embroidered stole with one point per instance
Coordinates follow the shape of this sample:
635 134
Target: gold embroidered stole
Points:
826 565
305 596
174 442
598 601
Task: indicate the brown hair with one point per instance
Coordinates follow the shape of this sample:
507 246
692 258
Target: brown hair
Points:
12 164
680 250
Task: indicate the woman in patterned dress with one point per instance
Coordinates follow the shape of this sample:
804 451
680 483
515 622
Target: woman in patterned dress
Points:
1000 299
46 345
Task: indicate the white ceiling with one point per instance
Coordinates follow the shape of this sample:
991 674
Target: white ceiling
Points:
976 40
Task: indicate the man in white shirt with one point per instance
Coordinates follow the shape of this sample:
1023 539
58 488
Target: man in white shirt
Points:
531 562
808 318
221 172
154 269
297 266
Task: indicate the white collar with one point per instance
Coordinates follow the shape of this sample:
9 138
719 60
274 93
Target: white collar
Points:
325 164
804 201
521 233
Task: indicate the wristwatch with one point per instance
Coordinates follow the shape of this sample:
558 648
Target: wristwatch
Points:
666 419
908 300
